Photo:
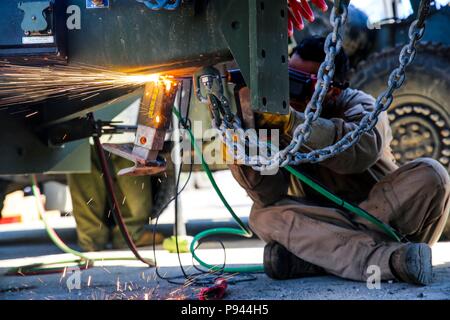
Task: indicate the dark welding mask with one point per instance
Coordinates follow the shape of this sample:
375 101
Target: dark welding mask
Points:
301 85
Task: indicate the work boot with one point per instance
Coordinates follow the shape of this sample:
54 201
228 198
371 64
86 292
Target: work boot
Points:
281 264
412 264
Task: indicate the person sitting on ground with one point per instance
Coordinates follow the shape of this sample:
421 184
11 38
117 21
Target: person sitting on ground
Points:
305 233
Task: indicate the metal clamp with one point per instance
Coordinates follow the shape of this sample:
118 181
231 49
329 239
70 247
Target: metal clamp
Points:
34 20
210 79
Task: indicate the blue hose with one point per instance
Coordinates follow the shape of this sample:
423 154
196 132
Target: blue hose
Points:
161 4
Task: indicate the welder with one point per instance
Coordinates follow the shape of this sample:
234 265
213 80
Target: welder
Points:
308 235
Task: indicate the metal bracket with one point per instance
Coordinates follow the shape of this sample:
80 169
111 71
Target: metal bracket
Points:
263 56
34 20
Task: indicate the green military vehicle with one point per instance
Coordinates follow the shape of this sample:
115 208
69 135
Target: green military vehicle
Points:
46 131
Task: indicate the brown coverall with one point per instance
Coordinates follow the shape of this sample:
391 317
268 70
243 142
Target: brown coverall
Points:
414 199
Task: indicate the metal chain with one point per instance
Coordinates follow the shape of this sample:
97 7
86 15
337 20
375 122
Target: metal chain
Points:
234 137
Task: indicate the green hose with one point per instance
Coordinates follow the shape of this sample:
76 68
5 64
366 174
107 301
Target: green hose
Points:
83 262
244 231
51 233
247 233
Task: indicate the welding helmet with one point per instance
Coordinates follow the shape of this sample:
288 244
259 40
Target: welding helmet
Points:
302 85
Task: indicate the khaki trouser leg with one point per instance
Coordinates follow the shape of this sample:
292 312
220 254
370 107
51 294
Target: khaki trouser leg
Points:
446 232
322 236
317 234
418 208
89 204
414 199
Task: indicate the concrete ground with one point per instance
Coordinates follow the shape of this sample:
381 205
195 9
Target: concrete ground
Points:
25 244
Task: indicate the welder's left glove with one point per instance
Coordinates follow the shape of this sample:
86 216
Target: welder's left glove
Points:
282 122
323 131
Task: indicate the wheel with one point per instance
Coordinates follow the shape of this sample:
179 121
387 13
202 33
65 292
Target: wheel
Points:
419 114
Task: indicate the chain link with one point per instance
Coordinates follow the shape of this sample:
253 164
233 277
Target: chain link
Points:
232 128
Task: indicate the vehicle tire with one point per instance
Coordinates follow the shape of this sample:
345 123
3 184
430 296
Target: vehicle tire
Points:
420 112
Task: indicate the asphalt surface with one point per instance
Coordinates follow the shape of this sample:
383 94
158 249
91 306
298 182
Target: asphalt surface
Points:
134 281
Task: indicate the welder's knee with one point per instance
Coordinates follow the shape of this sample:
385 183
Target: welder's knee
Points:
432 174
263 222
435 182
272 223
257 222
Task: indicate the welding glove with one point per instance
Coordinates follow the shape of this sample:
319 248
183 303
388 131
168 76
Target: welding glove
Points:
323 131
